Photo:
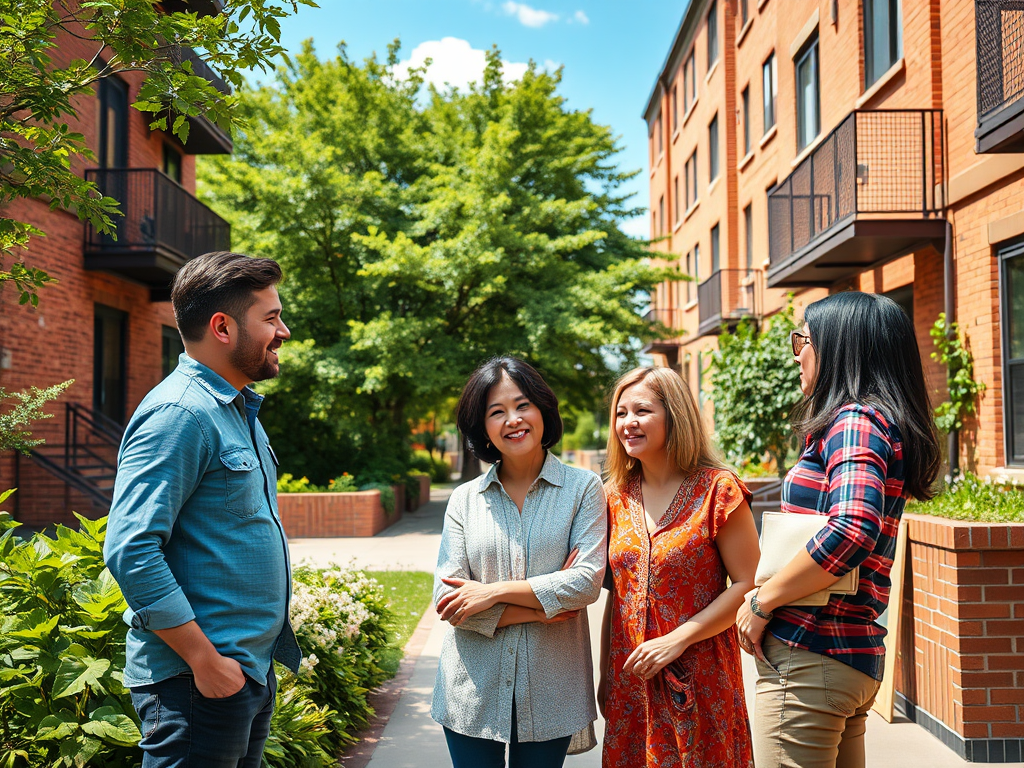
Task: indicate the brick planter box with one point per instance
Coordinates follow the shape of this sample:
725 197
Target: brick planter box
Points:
422 498
325 515
960 665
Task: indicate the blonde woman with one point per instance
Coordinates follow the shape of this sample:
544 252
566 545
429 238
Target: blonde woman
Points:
679 527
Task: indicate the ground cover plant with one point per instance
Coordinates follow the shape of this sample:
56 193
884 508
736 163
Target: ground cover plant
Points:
968 497
62 699
408 594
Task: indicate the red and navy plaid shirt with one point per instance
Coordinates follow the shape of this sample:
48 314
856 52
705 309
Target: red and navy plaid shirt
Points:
853 474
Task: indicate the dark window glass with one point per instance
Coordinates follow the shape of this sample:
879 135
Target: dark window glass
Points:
807 103
770 88
714 250
110 329
657 130
881 37
689 271
696 263
712 34
661 214
744 12
675 200
713 149
748 224
171 347
675 109
1013 346
113 123
746 121
172 162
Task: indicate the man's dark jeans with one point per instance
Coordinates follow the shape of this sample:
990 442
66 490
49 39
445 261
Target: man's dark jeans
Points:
183 729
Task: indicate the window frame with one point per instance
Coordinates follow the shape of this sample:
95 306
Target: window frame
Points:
745 98
769 91
690 169
714 150
1006 254
661 214
744 13
112 95
894 43
748 224
810 52
712 32
716 249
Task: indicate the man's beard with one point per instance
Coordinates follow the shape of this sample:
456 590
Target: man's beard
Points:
251 358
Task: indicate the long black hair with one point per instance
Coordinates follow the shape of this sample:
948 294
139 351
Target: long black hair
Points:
867 353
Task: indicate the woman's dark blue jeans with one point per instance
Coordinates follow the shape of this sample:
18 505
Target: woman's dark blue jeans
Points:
183 729
471 752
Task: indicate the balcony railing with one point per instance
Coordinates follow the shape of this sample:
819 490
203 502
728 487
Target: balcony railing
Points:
728 296
205 137
163 226
879 166
999 32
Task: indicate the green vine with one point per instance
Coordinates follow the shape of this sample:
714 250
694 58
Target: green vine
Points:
959 362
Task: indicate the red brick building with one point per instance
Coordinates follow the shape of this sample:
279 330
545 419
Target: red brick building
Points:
107 323
820 145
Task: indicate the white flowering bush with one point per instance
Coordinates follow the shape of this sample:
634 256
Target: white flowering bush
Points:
340 617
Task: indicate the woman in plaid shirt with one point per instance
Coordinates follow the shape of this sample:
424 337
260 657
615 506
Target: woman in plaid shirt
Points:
870 445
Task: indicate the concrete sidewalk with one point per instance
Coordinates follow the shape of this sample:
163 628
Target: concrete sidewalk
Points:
412 740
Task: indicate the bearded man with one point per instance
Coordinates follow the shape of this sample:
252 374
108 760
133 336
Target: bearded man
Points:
194 538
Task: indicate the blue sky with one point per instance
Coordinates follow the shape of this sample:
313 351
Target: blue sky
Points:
611 51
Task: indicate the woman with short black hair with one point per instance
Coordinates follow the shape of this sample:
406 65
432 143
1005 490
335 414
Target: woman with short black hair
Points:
870 445
522 555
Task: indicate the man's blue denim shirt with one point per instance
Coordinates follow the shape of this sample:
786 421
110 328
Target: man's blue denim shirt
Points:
194 531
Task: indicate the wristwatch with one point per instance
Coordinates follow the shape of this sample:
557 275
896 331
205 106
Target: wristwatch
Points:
755 608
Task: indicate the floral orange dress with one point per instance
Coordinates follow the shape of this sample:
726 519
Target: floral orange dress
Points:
692 714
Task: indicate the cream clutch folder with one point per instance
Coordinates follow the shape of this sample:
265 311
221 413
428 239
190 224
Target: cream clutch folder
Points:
783 535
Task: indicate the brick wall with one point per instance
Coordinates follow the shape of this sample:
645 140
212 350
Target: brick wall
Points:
311 515
961 661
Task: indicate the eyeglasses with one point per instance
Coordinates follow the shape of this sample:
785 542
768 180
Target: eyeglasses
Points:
799 341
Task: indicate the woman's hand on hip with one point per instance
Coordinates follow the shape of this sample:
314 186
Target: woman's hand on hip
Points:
469 598
751 628
652 656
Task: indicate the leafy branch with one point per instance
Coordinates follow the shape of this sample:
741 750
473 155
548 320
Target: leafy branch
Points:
963 388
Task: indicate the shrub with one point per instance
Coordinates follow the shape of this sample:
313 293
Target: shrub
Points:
344 483
62 647
440 470
968 497
387 495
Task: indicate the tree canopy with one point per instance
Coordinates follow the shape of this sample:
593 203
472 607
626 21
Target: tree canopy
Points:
422 231
38 89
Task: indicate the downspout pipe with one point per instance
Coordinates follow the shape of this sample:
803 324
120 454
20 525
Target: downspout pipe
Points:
950 309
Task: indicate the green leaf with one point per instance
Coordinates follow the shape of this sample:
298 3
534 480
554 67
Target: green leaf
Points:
75 674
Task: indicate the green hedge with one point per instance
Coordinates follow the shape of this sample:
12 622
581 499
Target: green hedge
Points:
989 500
62 646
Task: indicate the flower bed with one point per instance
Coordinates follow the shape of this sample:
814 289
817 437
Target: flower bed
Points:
62 645
357 513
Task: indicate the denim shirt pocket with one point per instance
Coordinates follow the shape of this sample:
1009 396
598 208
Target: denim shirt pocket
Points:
243 485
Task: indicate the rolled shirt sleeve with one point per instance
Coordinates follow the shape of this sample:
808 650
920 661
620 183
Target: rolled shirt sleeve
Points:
161 462
579 585
453 563
856 454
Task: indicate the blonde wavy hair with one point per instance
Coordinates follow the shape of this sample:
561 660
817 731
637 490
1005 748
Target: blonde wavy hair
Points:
688 442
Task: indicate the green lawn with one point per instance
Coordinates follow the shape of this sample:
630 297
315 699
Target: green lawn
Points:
409 593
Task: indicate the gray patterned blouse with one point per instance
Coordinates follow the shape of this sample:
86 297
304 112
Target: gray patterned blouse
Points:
547 667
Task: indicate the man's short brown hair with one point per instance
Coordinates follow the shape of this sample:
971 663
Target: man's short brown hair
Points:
219 281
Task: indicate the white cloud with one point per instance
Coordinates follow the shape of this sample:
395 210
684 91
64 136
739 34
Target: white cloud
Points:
639 226
454 62
529 17
581 17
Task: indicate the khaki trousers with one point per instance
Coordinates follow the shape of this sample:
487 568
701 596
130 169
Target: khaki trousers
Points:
810 710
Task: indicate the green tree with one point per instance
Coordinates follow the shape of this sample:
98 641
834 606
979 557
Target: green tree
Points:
755 385
38 148
421 236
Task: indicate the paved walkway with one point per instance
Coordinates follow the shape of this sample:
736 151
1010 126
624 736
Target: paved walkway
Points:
412 740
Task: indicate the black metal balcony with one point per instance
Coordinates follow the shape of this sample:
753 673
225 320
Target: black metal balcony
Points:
999 33
671 319
871 191
163 227
204 137
724 299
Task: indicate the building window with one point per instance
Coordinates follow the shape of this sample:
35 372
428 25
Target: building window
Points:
654 224
689 83
808 114
696 264
715 257
675 200
712 34
691 180
172 162
675 109
713 149
744 12
770 85
661 214
748 224
171 347
660 139
746 121
882 38
110 379
113 123
1012 298
689 271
